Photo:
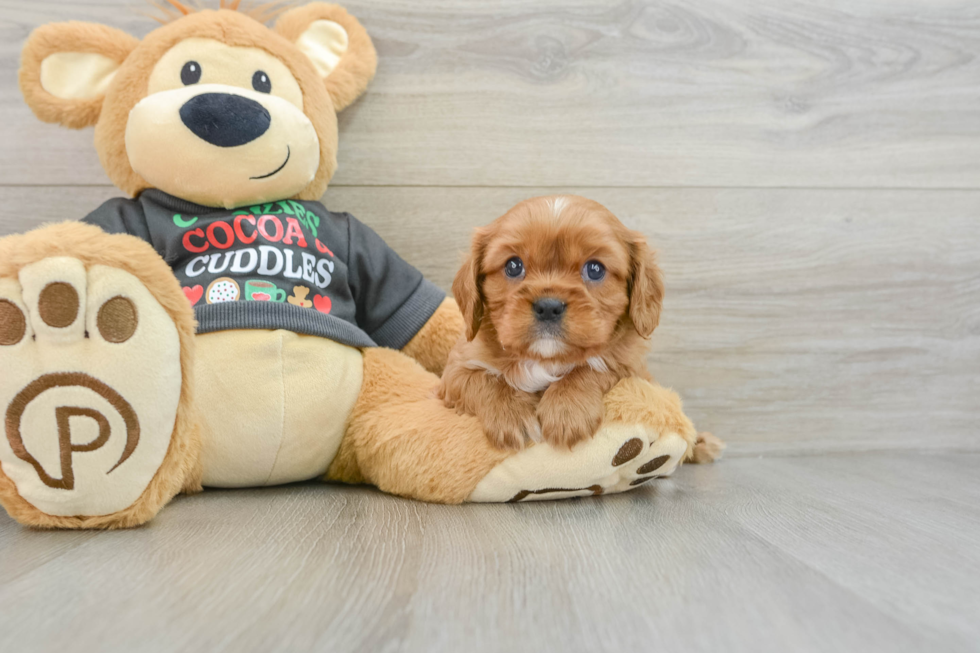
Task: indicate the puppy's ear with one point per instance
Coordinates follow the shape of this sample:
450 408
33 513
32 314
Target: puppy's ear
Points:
646 286
338 46
468 286
66 68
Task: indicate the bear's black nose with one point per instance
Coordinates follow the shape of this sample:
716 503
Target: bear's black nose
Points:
224 119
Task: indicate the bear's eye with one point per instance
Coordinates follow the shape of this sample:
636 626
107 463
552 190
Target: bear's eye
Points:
190 73
261 83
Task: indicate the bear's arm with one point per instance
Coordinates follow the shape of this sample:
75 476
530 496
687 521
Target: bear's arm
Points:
396 306
120 216
431 345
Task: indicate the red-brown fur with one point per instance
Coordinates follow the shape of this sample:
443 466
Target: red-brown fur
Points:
494 371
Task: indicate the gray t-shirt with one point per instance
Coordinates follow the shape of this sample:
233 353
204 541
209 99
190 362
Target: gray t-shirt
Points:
280 265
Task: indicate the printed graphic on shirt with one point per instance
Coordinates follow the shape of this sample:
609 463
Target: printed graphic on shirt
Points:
280 265
267 241
322 304
223 290
258 290
194 294
299 297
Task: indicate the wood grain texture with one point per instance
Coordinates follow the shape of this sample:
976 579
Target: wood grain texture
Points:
796 320
631 93
833 553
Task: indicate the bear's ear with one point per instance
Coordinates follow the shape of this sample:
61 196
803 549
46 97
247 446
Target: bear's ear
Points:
338 46
66 68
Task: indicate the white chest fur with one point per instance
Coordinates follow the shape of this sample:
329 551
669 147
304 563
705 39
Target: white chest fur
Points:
535 376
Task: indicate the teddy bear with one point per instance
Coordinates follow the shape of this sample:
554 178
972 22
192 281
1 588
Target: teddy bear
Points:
299 297
149 349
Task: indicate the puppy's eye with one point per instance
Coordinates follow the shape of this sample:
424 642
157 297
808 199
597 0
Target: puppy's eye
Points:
593 271
514 268
190 73
261 82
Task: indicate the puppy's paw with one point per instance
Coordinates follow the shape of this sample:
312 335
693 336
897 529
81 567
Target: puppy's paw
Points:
566 423
512 431
511 426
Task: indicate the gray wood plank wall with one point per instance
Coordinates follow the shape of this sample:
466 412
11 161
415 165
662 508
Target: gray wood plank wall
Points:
809 172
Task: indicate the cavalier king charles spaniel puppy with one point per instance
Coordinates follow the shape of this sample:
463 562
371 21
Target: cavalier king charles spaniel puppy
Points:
559 299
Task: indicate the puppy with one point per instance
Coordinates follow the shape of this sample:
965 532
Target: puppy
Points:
559 299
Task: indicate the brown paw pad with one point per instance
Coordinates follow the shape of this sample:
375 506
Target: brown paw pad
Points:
13 324
653 465
641 481
117 320
58 305
630 450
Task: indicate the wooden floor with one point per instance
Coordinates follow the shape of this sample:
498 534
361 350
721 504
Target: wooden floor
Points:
810 174
844 552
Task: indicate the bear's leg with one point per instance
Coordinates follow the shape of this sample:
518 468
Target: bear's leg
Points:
405 441
645 435
96 343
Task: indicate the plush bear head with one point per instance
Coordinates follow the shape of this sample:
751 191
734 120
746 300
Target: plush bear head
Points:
213 107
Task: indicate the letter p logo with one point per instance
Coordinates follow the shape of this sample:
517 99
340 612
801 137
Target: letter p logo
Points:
63 419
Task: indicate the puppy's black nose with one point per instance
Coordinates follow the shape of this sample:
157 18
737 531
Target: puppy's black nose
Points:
549 309
224 119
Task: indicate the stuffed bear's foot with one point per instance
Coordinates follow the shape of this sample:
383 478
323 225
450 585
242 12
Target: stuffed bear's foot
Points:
645 435
404 440
90 391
